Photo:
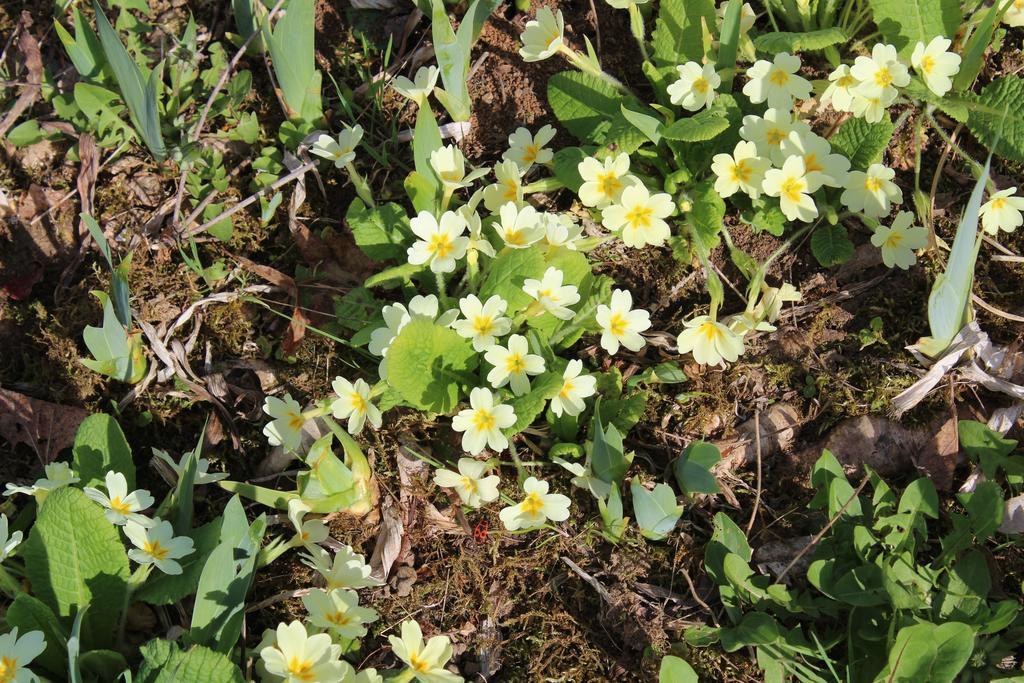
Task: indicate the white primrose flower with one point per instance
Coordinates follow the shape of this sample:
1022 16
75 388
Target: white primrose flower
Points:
346 569
576 386
482 422
710 341
542 36
880 74
746 322
441 244
120 505
519 227
793 186
285 429
604 181
342 151
425 661
622 324
420 87
16 653
769 132
639 216
560 230
743 170
899 241
872 192
822 166
936 64
353 403
56 475
308 532
839 92
469 482
1014 15
773 299
695 88
297 657
872 109
477 242
508 189
1002 211
776 82
450 166
747 16
157 545
8 541
203 474
552 296
584 478
538 507
513 364
484 320
526 149
338 611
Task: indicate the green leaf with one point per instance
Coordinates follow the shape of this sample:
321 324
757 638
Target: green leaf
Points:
624 412
985 446
926 652
527 407
675 670
291 48
783 41
507 273
166 589
656 512
704 125
647 124
921 498
392 277
831 245
100 447
607 457
693 468
427 363
861 142
707 215
729 41
678 36
84 49
102 665
726 538
904 23
426 139
26 133
584 104
164 662
997 117
31 614
974 51
381 231
566 167
74 558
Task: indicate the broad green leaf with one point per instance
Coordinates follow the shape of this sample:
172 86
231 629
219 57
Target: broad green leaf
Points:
678 36
100 447
903 23
566 167
706 216
507 273
31 614
974 52
84 49
381 231
102 665
427 139
921 498
676 670
291 48
607 457
729 42
997 117
74 557
756 628
926 652
427 365
985 446
165 662
831 245
726 538
783 41
647 124
693 468
861 142
656 512
584 104
26 133
624 412
704 125
527 407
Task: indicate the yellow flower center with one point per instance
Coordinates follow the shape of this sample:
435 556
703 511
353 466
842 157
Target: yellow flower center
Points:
301 669
639 217
119 506
811 163
567 388
8 669
608 184
357 402
452 176
775 136
511 190
483 325
778 77
618 324
515 238
701 85
483 420
532 505
440 245
998 202
530 154
927 64
546 294
709 330
791 189
740 171
469 484
514 364
872 184
894 239
338 618
845 81
295 421
417 664
883 78
154 550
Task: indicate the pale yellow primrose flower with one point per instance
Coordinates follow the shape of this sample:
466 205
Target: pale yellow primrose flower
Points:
353 403
477 242
695 88
538 507
622 324
469 482
450 166
560 230
1014 16
747 16
742 170
484 321
542 36
441 244
347 568
776 82
899 242
203 475
935 64
508 189
820 163
519 227
872 109
639 216
482 422
710 341
420 87
793 186
297 657
839 92
308 532
17 653
769 132
338 611
120 505
513 364
773 298
8 541
56 475
285 429
157 545
425 661
1002 211
575 387
342 151
872 192
604 181
551 294
880 74
525 149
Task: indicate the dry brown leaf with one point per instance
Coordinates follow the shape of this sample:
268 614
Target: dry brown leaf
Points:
297 327
47 428
389 542
938 457
33 80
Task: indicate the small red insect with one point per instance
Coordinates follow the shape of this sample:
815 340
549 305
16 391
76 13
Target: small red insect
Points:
480 531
